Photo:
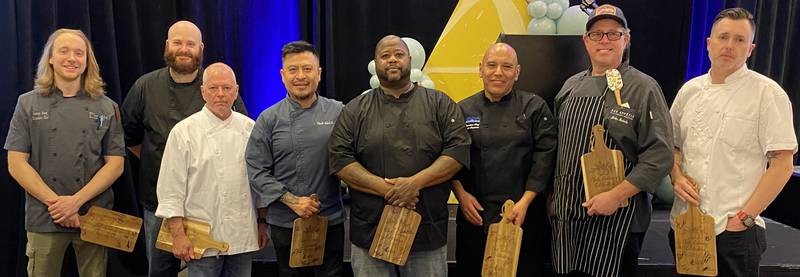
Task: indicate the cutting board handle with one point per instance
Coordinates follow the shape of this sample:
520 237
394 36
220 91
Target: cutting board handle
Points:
508 206
597 135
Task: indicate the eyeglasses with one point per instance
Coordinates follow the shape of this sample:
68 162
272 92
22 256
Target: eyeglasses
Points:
597 36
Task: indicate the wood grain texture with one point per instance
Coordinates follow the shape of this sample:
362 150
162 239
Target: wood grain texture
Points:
395 234
308 241
602 168
695 242
502 246
198 232
110 229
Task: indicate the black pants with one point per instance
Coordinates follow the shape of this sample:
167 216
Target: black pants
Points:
471 243
331 263
630 258
738 253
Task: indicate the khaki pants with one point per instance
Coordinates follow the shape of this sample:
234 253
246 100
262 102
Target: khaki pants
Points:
45 253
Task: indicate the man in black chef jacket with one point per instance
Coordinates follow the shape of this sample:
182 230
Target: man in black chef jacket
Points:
512 154
399 144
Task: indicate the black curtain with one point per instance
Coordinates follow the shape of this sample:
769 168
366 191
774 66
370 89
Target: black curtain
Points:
777 52
128 38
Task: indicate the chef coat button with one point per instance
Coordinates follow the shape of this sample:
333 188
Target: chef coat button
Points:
83 131
77 180
388 125
54 179
55 154
54 129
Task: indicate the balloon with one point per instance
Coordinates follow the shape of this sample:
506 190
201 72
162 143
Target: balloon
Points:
541 26
417 52
374 82
554 11
548 1
371 67
537 9
416 75
428 83
564 4
573 21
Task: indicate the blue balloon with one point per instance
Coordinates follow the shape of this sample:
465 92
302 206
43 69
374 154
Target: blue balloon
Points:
573 21
541 26
554 11
537 9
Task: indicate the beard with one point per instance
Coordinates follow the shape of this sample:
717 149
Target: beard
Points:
182 67
405 73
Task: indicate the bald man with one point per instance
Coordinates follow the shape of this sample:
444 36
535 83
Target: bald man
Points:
399 144
512 153
154 104
203 177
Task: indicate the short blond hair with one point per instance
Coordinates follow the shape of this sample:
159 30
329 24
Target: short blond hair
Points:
92 83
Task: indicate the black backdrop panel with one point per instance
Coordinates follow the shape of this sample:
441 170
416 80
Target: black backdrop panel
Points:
547 61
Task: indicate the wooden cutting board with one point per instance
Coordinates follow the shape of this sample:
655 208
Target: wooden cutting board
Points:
602 168
395 234
110 229
198 232
695 241
502 246
308 240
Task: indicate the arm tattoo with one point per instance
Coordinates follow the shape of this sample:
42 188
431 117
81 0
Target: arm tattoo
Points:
289 199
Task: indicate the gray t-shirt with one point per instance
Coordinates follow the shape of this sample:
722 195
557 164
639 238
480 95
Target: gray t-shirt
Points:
67 138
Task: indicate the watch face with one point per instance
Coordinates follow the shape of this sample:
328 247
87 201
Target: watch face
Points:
749 222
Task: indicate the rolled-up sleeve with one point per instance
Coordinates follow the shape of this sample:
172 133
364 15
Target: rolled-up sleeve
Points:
655 143
454 132
544 132
173 177
261 164
341 149
19 138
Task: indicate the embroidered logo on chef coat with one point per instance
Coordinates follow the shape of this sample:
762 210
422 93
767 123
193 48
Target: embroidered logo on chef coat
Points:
473 123
621 115
325 122
42 115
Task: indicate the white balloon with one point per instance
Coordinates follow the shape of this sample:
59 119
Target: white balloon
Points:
428 83
371 67
365 92
374 82
541 26
564 4
537 9
416 75
573 21
554 11
417 52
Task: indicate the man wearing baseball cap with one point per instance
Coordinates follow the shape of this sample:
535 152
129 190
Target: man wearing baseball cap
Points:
598 236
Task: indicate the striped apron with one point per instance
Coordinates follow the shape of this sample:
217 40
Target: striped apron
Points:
590 244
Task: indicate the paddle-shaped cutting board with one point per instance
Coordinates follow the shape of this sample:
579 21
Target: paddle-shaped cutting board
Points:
602 168
502 246
308 240
198 232
695 241
395 234
110 229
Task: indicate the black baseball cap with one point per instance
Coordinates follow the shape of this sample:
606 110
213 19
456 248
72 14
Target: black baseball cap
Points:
607 11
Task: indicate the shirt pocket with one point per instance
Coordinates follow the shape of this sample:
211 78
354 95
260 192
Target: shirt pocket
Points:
738 132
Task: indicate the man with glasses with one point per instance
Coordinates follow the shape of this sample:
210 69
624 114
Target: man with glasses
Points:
734 138
599 237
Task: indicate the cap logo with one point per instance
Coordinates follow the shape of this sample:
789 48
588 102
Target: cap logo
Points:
605 10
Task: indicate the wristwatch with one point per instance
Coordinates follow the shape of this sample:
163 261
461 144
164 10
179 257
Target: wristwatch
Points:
261 220
746 219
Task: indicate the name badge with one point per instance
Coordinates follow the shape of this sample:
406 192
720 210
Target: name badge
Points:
621 115
473 123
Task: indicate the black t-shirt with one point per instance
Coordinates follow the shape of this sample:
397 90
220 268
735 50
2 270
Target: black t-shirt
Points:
152 107
399 137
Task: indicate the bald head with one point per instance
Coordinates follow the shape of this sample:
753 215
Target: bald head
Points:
218 70
389 39
499 70
501 48
219 89
185 28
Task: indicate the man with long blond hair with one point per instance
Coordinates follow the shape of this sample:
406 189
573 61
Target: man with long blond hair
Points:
155 103
65 148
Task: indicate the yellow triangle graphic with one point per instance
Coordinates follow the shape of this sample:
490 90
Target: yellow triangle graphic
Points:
473 27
